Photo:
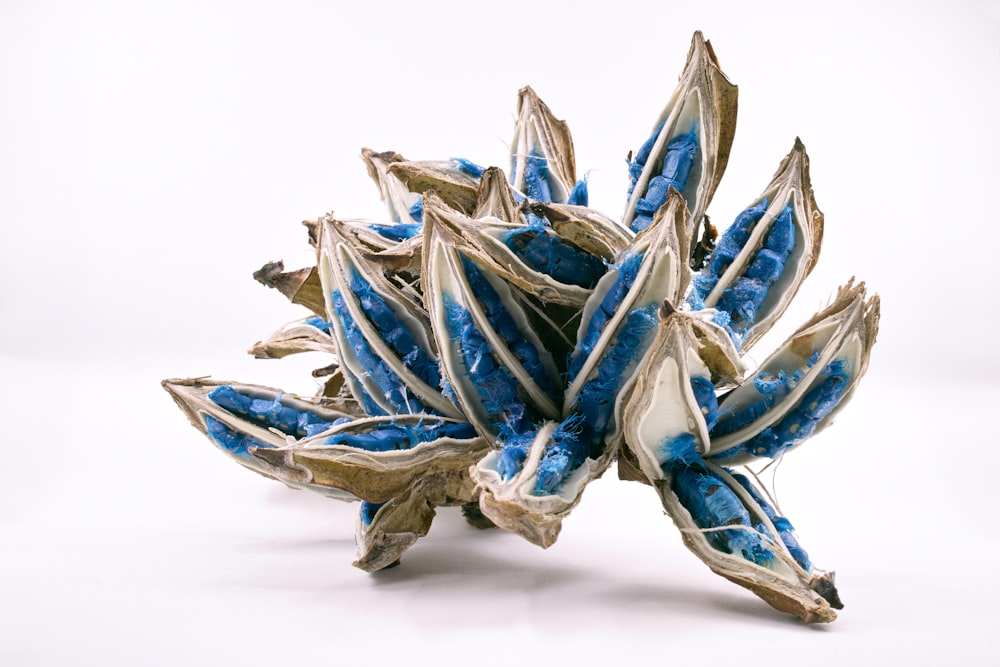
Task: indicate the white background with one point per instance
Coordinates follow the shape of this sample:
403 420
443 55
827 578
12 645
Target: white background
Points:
152 155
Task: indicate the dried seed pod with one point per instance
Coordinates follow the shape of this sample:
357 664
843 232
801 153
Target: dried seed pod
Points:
243 420
689 148
762 258
456 182
380 458
525 251
723 518
538 474
403 205
496 365
382 336
311 334
301 287
801 387
543 165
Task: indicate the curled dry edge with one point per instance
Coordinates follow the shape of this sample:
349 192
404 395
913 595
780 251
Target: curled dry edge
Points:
498 344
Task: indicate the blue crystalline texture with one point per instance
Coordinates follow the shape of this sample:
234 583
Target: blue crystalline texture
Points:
627 271
536 176
802 420
268 413
393 437
714 505
368 511
730 244
496 388
391 385
676 167
394 332
231 440
503 323
539 247
781 524
746 294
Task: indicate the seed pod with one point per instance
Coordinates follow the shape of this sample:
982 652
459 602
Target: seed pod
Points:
524 251
456 182
380 458
723 518
493 361
801 387
403 205
543 165
762 258
382 336
311 334
242 420
538 475
689 148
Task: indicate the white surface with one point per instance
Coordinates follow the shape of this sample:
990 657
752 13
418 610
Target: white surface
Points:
151 159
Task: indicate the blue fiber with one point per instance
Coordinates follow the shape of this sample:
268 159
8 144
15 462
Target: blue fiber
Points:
268 413
515 448
539 247
536 176
400 232
231 440
640 222
781 524
714 505
416 210
679 451
800 422
468 167
676 168
496 388
368 511
503 323
627 269
565 452
579 196
747 293
679 159
319 323
596 401
636 166
394 332
708 402
729 246
394 437
394 389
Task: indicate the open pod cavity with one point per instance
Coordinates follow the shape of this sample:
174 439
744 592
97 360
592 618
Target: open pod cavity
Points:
763 257
538 475
727 524
799 389
383 337
494 362
543 166
243 420
690 145
380 458
526 251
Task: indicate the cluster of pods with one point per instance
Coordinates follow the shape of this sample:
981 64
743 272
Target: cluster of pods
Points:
499 344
